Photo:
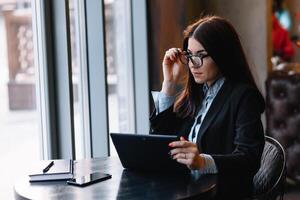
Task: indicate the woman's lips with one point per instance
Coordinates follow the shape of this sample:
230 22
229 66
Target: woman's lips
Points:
197 73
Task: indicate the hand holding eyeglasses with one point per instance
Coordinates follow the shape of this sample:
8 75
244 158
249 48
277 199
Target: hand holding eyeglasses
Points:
175 68
174 71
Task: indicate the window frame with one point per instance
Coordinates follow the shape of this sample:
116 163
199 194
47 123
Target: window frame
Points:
53 40
56 77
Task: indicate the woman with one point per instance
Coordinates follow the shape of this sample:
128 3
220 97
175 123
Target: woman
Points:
217 113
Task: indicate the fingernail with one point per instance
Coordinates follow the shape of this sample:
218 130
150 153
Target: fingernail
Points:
170 144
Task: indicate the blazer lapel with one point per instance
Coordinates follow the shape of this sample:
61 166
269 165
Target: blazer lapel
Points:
186 128
214 109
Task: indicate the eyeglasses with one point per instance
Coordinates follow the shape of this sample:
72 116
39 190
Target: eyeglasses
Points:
196 60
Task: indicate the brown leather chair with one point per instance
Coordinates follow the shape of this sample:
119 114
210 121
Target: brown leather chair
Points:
283 116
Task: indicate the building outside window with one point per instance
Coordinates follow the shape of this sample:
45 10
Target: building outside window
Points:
19 116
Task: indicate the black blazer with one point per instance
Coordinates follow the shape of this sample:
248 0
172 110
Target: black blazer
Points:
231 132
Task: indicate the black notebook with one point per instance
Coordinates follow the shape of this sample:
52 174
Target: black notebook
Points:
52 170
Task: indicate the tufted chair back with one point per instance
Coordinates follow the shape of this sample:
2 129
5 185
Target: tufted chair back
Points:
283 116
269 180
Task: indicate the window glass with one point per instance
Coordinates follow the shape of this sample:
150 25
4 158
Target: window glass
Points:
79 79
19 116
119 67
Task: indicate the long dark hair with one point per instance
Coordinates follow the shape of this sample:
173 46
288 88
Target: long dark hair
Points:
222 43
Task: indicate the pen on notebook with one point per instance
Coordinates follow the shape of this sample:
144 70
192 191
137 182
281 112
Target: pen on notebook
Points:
48 167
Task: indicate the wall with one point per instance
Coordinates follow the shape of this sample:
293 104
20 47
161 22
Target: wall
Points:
250 18
166 21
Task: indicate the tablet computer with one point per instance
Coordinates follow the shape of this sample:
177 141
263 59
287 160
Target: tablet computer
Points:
146 152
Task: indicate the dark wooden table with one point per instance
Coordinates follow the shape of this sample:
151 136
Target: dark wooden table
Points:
124 184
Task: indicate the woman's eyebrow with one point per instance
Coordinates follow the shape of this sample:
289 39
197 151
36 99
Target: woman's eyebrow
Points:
199 51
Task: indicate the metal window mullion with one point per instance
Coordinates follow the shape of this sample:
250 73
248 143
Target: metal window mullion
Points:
42 76
97 77
140 60
61 51
83 78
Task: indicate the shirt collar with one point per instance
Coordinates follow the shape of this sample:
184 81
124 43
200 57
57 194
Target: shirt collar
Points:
214 88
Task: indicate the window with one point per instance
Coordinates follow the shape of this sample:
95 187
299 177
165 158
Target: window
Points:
79 79
119 67
37 119
19 115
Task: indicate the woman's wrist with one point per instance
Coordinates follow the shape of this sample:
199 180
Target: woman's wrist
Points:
170 88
